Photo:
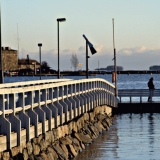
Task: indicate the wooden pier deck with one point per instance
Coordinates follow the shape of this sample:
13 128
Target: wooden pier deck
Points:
144 107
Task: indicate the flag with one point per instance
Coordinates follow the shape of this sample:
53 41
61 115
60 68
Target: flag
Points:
93 51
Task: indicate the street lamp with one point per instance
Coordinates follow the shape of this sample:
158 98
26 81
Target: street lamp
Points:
59 20
93 51
40 45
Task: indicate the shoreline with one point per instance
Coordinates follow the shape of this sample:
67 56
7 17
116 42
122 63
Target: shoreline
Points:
83 73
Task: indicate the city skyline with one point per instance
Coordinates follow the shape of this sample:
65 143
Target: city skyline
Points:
137 34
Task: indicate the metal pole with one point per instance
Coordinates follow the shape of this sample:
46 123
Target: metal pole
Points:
58 50
40 61
1 68
40 45
86 58
115 67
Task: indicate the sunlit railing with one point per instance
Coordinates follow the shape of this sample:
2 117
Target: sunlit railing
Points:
28 109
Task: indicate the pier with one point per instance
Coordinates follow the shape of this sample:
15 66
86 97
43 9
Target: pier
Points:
30 109
34 109
141 104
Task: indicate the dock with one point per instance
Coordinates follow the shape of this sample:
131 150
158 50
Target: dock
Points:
141 104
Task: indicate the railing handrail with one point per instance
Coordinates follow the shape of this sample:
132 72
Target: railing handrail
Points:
32 85
34 82
136 92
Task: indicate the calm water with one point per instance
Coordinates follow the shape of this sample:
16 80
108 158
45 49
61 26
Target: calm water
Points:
132 136
133 81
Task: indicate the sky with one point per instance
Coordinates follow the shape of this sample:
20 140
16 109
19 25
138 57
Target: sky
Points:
136 31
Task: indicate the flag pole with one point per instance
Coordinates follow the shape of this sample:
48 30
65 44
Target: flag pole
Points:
87 58
93 51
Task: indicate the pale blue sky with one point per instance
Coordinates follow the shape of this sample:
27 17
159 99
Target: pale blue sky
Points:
137 30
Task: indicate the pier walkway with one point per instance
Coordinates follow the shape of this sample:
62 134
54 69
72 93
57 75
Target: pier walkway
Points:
136 101
136 93
29 109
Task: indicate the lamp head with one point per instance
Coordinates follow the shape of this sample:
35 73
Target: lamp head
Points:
40 44
61 19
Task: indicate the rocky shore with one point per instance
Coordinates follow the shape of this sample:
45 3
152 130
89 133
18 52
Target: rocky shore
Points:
66 141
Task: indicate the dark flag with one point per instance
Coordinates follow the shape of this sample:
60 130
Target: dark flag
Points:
93 51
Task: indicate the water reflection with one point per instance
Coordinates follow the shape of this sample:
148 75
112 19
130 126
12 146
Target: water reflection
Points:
151 132
107 141
132 136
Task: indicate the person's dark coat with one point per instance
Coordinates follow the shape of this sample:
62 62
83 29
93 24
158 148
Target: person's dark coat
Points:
150 84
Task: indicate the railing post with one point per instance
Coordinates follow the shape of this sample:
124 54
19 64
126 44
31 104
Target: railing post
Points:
140 99
53 108
45 108
77 109
41 114
15 121
66 100
83 96
130 99
25 120
65 106
32 114
69 101
5 125
59 106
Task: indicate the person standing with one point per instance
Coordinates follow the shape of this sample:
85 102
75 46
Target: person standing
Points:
151 89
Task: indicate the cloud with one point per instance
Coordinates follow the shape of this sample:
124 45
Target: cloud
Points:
137 50
100 48
138 58
130 51
81 48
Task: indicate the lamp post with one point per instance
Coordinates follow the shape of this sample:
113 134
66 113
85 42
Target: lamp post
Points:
40 45
93 51
1 69
59 20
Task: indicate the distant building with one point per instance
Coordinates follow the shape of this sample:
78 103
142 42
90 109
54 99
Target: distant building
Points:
28 64
11 63
110 68
154 68
9 59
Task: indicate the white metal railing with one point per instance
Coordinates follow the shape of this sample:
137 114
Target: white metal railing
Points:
34 82
136 93
28 109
